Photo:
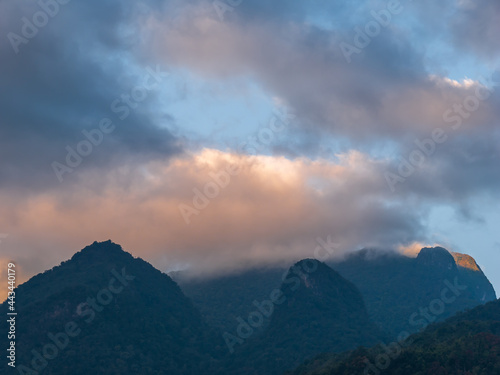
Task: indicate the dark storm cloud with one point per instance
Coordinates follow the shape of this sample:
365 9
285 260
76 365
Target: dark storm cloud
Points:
64 80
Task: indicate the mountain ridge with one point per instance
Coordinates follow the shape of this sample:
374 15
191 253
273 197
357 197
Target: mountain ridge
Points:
128 315
137 320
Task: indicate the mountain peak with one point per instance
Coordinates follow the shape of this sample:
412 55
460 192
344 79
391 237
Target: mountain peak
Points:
319 311
466 261
123 306
436 257
100 252
314 276
103 246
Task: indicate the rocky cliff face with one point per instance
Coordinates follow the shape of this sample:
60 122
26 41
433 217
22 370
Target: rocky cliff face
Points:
466 261
470 271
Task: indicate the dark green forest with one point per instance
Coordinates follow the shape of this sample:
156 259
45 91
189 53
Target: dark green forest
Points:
106 312
467 344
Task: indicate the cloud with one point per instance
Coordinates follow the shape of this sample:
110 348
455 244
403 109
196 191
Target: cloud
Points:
380 95
64 80
386 97
412 250
272 210
90 54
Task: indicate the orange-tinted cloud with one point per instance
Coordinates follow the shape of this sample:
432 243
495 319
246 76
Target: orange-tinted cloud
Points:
272 210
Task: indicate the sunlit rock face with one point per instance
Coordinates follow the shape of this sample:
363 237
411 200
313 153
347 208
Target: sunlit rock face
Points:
466 261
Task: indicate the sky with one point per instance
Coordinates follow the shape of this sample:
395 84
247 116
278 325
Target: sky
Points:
218 135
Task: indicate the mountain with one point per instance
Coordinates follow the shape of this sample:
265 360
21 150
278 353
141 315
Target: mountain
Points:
397 289
468 343
315 310
224 299
436 258
394 287
104 311
472 275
